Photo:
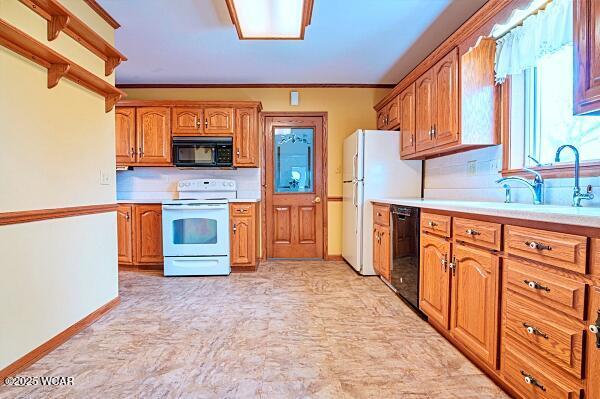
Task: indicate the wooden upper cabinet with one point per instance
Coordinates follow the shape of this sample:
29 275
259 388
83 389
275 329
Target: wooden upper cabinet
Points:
446 114
382 119
475 301
587 54
125 135
125 234
218 120
148 234
434 297
187 121
393 113
245 140
153 135
425 111
407 121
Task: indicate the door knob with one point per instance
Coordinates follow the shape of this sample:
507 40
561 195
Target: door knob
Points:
316 200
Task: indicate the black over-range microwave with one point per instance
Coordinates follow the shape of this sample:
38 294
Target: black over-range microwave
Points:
198 152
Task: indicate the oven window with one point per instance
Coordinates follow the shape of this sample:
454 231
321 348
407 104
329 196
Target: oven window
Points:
195 154
195 231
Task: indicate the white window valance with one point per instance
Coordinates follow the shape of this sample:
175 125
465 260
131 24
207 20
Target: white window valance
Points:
540 34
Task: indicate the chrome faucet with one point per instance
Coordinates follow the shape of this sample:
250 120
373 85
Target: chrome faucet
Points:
536 188
577 195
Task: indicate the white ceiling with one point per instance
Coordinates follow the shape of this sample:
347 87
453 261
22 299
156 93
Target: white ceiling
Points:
348 41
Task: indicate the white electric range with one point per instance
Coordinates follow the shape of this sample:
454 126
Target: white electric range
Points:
196 228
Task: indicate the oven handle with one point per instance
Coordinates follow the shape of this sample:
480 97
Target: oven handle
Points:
193 207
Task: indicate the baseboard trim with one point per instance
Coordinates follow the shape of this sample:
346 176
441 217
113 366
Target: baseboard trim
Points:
56 341
334 257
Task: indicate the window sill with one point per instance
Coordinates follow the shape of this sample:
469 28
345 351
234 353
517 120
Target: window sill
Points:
590 168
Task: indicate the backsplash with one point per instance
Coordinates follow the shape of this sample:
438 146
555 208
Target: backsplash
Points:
161 183
472 176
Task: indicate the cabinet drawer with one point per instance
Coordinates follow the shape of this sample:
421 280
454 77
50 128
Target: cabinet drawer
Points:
534 380
381 215
543 286
243 209
436 224
558 249
554 337
484 234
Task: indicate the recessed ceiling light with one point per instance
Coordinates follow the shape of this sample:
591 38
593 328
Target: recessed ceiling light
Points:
270 19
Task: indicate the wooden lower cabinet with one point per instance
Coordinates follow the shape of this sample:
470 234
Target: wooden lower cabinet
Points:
382 256
475 301
139 235
434 298
593 346
244 235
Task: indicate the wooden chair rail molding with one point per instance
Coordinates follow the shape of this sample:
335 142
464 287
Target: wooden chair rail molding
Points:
57 65
7 218
61 19
56 341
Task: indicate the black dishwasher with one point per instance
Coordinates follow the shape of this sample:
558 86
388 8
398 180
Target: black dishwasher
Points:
405 255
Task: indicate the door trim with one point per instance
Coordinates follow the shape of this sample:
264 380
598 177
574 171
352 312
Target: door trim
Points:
263 178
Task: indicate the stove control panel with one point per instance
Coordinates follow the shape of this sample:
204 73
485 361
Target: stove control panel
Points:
206 185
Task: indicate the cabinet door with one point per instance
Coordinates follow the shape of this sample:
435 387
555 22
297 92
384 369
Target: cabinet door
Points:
243 242
593 345
445 74
384 252
382 118
125 234
407 121
393 113
187 121
125 135
424 111
245 139
475 300
218 121
376 250
154 135
435 279
587 53
148 234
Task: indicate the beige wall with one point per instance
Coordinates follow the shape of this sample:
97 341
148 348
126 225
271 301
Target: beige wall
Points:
54 144
348 109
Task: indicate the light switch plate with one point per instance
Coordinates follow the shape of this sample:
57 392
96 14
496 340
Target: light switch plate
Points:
104 178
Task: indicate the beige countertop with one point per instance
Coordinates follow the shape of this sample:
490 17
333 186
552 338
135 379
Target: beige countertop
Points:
583 216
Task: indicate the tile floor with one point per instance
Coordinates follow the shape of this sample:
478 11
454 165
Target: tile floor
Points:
290 330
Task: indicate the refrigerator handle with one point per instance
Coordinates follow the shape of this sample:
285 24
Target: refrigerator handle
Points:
355 194
354 166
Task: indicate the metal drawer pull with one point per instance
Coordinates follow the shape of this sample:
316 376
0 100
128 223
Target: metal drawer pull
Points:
536 286
432 224
529 379
595 329
534 331
538 245
472 232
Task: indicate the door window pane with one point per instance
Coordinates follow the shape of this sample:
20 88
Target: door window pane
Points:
294 160
195 231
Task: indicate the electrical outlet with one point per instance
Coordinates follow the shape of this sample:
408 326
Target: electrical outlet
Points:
471 168
104 178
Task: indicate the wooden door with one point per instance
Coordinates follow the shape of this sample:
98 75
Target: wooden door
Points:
295 189
382 118
593 345
148 234
125 234
393 113
187 121
242 241
245 139
385 255
445 75
474 302
154 135
125 135
587 53
435 279
407 121
424 111
218 121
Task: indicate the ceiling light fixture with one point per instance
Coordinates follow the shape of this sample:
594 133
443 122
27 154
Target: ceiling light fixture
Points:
270 19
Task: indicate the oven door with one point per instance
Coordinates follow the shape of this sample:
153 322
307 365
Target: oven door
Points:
194 154
196 230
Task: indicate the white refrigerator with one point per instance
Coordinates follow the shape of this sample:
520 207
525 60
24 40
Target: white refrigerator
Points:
372 169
